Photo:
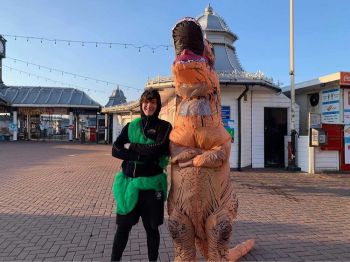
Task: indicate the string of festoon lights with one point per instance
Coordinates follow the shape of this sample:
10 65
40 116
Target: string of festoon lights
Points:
29 74
74 75
153 48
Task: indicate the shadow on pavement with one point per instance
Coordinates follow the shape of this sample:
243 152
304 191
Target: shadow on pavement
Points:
59 237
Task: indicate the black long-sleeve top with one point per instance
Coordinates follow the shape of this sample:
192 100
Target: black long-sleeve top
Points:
153 128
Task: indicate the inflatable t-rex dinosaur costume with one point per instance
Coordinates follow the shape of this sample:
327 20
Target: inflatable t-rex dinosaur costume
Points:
202 204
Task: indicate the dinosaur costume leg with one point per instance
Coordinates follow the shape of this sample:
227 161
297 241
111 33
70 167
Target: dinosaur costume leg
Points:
182 232
218 231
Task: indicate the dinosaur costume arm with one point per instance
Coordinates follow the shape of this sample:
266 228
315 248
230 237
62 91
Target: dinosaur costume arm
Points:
196 157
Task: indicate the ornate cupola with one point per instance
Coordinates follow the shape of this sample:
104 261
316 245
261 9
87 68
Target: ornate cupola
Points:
116 98
219 34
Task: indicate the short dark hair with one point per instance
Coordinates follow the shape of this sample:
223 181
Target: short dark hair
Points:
150 94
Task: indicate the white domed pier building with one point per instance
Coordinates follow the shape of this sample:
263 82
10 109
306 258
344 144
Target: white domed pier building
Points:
254 110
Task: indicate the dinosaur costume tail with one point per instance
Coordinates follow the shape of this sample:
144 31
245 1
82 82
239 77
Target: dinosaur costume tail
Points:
240 250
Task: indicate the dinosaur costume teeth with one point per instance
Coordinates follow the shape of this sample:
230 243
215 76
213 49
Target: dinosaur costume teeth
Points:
202 204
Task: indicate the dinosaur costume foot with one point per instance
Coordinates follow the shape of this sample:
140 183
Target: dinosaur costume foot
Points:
240 250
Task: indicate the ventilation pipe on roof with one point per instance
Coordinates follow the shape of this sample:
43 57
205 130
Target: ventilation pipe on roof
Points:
239 168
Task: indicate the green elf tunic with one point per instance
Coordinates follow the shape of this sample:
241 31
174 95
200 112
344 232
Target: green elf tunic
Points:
126 189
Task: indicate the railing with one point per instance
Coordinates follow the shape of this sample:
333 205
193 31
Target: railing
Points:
223 75
243 75
159 80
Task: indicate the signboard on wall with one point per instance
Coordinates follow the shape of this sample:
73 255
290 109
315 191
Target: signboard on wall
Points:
229 126
314 120
330 106
347 143
227 121
344 78
346 106
225 113
42 111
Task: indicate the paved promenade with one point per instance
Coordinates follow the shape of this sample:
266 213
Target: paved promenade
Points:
56 204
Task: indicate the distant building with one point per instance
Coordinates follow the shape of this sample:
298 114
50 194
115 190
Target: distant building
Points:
325 104
45 113
116 98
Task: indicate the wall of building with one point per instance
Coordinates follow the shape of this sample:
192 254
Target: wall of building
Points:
229 97
302 160
260 100
324 159
303 102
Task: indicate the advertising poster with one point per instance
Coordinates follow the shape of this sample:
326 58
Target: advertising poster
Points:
347 143
330 106
346 106
229 126
227 121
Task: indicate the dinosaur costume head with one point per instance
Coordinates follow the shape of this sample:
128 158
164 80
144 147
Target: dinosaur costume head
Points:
202 204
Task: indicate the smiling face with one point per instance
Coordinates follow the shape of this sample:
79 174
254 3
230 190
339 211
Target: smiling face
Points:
149 107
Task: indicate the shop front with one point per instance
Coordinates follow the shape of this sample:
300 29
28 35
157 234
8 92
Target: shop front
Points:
45 113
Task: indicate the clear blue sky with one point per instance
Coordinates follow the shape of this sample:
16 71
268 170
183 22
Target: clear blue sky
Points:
322 39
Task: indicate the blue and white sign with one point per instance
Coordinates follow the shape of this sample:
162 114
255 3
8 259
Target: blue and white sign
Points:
225 113
330 106
346 106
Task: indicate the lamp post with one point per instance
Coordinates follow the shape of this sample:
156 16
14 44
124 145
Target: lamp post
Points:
293 133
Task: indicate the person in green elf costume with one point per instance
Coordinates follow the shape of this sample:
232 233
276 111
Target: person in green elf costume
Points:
140 187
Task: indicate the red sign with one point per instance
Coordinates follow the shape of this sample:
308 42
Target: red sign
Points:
71 127
345 78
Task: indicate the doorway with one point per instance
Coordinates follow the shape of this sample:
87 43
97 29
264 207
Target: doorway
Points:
275 128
